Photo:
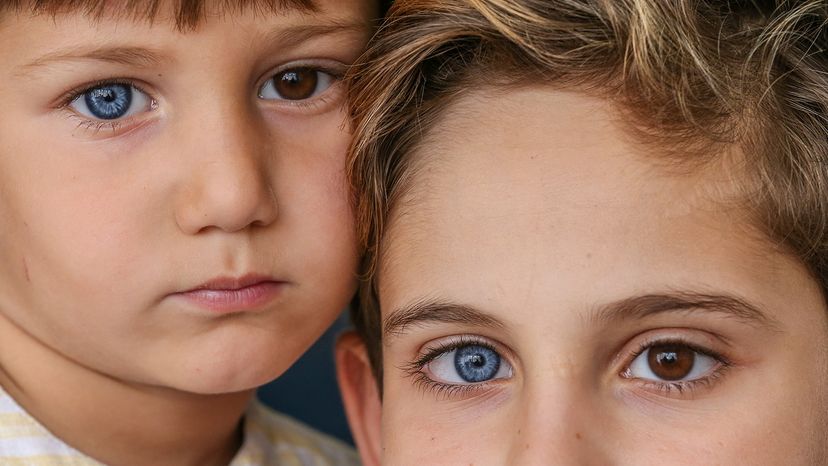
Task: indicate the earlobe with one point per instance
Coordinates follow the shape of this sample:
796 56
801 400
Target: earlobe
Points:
360 396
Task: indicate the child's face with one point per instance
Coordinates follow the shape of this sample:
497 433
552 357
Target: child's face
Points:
172 214
551 296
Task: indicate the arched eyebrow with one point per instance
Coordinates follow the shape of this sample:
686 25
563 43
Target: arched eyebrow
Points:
431 311
724 304
437 311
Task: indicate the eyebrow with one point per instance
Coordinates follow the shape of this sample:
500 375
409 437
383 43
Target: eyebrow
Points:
724 304
426 312
287 38
122 55
292 36
436 311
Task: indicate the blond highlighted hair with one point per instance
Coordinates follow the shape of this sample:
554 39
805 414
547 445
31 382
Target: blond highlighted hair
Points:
693 76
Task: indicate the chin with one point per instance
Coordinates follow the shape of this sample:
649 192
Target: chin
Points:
237 368
222 380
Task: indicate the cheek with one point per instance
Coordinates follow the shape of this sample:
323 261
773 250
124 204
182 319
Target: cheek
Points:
91 236
419 428
312 192
771 417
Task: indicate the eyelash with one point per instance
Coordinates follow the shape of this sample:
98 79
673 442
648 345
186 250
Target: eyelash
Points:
415 369
690 386
97 126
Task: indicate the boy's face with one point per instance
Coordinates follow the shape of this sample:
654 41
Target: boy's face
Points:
173 205
551 296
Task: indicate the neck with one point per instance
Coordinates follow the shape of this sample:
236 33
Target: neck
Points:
114 421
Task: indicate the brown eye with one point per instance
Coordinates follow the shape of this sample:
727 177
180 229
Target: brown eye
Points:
671 362
296 84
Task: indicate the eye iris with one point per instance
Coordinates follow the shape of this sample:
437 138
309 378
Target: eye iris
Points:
296 84
109 102
671 362
476 363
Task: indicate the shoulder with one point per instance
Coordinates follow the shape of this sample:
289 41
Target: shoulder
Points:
25 442
272 438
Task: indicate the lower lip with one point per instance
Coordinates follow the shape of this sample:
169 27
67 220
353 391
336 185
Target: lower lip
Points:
249 298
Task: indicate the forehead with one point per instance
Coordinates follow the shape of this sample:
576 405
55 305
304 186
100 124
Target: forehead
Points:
185 14
550 204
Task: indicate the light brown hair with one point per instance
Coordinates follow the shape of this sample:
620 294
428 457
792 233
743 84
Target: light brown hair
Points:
693 76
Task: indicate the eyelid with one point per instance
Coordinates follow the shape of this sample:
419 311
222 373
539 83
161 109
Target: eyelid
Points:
683 337
704 339
331 67
439 346
112 127
66 98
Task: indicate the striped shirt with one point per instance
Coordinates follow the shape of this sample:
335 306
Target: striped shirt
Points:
271 439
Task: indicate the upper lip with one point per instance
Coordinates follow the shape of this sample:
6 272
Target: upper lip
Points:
233 283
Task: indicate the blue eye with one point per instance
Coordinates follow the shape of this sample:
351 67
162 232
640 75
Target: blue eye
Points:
469 364
476 363
111 101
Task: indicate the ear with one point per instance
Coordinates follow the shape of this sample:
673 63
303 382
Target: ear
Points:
360 396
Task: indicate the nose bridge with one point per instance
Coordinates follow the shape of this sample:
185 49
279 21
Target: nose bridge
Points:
227 186
557 424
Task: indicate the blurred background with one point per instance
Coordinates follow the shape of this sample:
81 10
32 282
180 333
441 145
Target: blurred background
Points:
308 391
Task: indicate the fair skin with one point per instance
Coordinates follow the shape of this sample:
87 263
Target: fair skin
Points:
550 294
160 261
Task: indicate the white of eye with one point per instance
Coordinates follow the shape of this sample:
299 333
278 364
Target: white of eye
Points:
138 102
268 91
640 368
444 370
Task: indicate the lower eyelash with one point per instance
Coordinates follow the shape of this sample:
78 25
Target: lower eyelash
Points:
688 387
98 126
444 390
314 103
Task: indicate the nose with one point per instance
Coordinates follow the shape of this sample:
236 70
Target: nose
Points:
227 185
559 426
